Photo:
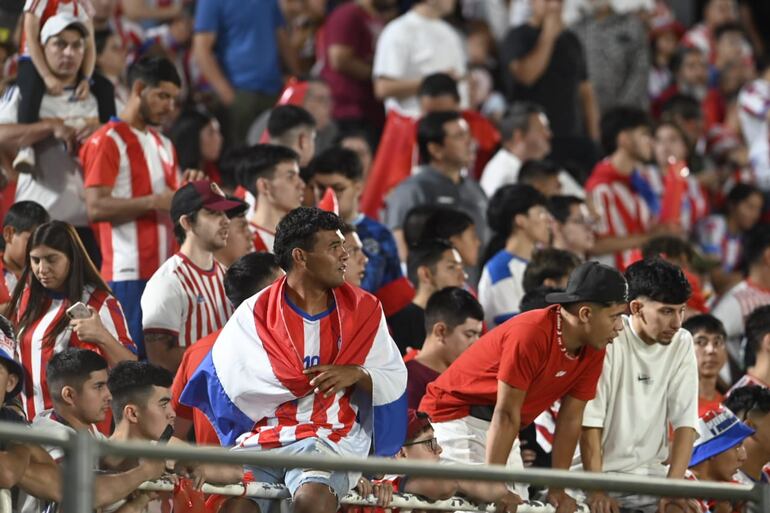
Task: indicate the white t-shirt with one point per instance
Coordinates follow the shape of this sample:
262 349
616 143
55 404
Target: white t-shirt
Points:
503 169
412 47
58 181
642 389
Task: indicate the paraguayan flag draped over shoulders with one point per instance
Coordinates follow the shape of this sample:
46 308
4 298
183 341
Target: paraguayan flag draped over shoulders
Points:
254 371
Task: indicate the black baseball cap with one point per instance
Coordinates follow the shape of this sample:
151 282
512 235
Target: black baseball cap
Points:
594 282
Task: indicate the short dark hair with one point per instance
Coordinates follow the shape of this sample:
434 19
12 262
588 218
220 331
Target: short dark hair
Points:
681 105
25 216
445 223
260 161
438 84
534 170
132 382
548 263
727 27
285 118
430 129
739 193
72 367
7 329
618 120
560 206
152 70
179 234
518 118
657 280
668 246
743 400
535 298
755 242
677 60
508 202
705 323
248 275
298 229
452 306
426 253
757 326
336 160
229 164
416 221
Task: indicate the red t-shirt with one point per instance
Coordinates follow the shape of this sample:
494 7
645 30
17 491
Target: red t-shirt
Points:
193 356
705 405
527 354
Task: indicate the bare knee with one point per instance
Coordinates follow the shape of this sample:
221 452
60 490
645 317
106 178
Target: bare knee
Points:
239 505
314 498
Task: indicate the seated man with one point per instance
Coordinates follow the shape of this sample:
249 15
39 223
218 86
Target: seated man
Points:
349 386
708 335
549 267
453 321
752 405
757 351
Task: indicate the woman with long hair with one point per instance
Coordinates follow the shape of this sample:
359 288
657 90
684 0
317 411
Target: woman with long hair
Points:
198 142
57 275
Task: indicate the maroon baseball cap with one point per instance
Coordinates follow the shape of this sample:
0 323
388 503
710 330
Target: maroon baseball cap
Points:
417 422
194 196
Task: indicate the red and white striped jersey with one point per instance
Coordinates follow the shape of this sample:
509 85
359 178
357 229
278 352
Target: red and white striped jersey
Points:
44 9
186 301
545 426
733 308
622 212
317 340
133 164
695 204
753 104
264 239
747 380
714 239
34 351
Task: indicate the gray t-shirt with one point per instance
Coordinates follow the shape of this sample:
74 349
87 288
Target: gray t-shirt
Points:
430 187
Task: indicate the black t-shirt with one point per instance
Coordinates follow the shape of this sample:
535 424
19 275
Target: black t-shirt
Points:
407 327
557 88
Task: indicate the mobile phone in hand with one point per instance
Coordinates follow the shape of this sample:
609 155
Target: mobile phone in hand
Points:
78 311
167 434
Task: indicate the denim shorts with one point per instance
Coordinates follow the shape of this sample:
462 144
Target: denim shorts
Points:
293 478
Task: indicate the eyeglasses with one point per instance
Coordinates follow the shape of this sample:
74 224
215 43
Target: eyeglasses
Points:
432 443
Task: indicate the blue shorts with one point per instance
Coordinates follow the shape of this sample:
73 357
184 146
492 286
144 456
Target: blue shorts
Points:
338 482
129 294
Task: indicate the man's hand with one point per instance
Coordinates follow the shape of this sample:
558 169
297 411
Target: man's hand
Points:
53 85
678 505
600 502
61 131
162 201
330 379
552 23
508 503
153 468
192 175
561 501
91 329
82 90
382 491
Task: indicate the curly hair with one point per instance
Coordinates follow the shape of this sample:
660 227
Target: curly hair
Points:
298 230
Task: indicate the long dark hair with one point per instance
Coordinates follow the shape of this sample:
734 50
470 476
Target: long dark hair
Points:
62 237
186 136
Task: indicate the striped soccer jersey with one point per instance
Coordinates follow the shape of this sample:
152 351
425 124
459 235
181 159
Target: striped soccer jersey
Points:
264 239
133 164
186 301
317 341
501 287
34 353
716 241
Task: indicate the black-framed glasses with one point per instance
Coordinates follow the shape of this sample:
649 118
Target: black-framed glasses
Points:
432 443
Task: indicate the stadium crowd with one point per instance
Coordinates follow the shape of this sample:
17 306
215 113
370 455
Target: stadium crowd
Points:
532 233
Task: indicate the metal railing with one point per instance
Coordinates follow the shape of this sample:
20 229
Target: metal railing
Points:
83 451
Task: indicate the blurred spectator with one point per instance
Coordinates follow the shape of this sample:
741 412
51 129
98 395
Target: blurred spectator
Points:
616 185
545 63
754 115
318 102
572 229
360 144
239 53
690 77
617 56
303 20
457 227
184 299
757 351
525 135
453 321
57 275
247 276
413 46
21 220
357 259
240 240
432 266
340 170
198 142
111 59
293 127
650 369
736 306
721 236
665 32
543 175
549 267
350 35
520 222
130 176
752 405
173 39
709 337
754 15
152 11
702 35
445 150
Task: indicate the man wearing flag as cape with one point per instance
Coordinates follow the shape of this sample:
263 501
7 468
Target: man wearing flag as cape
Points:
306 366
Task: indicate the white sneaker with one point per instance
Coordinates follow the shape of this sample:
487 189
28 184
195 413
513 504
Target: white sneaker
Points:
25 160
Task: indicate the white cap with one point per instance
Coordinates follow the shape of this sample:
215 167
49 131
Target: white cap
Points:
57 23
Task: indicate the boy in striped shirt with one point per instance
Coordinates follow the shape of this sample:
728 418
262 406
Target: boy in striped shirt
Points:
185 299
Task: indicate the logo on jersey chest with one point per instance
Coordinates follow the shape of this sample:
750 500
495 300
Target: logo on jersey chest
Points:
200 299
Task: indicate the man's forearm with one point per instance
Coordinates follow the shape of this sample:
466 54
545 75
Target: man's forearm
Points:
681 451
565 441
591 449
503 430
531 67
212 71
342 59
605 245
14 136
162 350
42 480
590 110
118 210
390 87
110 488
